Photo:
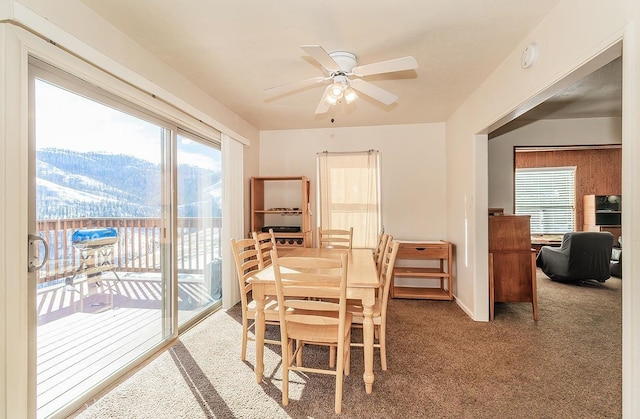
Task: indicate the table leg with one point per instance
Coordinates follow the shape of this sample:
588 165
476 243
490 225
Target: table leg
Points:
367 331
259 298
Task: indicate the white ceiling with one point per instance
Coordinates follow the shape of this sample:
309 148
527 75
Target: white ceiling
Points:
233 50
599 94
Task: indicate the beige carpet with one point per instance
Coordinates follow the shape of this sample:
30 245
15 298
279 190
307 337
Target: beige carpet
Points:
441 365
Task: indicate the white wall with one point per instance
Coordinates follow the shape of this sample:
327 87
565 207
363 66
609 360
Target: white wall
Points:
412 172
583 131
572 36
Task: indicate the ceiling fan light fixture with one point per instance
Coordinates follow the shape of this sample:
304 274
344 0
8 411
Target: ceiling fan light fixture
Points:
330 99
336 90
350 95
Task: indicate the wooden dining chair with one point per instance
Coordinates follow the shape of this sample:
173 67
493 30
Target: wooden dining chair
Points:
380 306
378 254
301 283
247 261
265 243
335 239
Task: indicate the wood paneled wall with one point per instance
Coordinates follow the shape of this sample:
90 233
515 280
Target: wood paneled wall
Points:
598 171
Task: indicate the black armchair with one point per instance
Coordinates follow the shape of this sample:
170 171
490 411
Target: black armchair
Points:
616 259
583 256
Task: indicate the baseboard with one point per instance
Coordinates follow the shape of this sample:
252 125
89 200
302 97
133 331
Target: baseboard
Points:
466 310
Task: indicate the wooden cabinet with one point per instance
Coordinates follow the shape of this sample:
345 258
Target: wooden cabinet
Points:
282 203
603 213
412 262
512 266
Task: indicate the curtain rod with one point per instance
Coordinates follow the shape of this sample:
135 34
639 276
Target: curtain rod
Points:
348 152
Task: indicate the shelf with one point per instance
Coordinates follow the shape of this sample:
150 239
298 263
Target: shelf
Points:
421 293
287 235
277 178
298 242
296 212
599 212
419 272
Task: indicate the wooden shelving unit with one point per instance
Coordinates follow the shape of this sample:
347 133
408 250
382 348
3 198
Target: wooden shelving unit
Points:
282 201
440 251
603 213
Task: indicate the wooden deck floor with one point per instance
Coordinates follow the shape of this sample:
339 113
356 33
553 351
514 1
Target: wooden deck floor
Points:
82 341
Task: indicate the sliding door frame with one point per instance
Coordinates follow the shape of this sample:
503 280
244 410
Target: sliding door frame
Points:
168 205
25 33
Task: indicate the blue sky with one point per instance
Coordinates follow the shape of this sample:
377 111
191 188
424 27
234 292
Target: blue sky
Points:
69 121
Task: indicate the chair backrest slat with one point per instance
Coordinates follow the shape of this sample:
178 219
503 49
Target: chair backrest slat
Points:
265 243
335 239
380 249
386 272
247 263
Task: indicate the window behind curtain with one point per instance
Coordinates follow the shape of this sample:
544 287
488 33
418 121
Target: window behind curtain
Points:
548 196
348 194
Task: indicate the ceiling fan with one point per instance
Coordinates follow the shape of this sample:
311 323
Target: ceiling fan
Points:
342 69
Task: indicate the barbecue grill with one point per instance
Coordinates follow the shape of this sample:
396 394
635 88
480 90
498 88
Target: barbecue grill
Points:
95 247
94 238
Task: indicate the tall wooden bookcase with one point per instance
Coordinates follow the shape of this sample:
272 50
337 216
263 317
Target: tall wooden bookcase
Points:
282 201
603 213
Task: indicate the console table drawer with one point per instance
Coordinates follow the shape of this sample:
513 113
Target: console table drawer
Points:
423 251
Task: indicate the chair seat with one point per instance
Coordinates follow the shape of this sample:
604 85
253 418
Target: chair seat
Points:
315 333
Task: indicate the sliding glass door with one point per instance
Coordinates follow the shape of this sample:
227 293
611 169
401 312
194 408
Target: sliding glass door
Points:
199 225
129 261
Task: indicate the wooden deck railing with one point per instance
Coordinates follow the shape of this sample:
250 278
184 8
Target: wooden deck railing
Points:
138 246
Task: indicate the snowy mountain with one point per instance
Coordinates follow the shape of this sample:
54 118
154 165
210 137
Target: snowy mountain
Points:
77 185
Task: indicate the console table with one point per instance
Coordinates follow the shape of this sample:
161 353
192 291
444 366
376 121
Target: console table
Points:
411 262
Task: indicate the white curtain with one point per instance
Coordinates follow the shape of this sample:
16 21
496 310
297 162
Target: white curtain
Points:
232 215
349 194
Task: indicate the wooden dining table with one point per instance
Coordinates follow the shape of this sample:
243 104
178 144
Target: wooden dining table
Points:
362 282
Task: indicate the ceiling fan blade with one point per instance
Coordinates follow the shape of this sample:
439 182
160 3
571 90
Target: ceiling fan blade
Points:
373 91
323 106
284 88
389 66
321 56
